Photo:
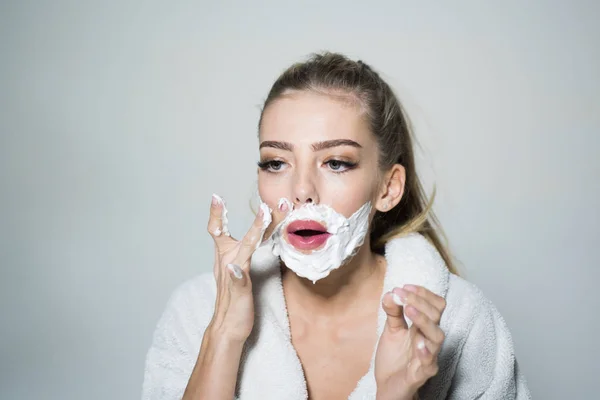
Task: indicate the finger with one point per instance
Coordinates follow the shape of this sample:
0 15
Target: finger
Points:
267 219
217 222
432 298
395 313
252 238
420 303
279 213
428 365
425 366
430 330
216 264
422 349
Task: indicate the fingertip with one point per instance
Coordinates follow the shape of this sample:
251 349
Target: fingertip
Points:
390 306
264 214
397 300
387 299
284 205
216 200
423 351
236 271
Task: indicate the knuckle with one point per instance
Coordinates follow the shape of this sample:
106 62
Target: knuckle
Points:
414 298
211 231
439 337
420 319
247 242
443 303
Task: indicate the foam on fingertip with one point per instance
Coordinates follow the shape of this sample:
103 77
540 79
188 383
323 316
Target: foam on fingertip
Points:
267 219
236 270
224 220
285 201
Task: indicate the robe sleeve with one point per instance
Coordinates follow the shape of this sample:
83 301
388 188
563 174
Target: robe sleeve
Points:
487 367
177 339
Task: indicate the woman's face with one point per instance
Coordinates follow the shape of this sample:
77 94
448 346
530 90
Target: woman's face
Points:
318 149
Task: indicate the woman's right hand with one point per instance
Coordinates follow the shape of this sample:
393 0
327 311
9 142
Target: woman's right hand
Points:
215 373
233 317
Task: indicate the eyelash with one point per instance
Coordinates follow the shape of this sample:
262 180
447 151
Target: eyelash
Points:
268 165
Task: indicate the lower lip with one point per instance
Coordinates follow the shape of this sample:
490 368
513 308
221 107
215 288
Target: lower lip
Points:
308 242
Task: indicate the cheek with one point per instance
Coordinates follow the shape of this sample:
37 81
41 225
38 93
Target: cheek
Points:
271 190
347 193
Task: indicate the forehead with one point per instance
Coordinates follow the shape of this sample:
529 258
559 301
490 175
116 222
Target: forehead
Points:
308 117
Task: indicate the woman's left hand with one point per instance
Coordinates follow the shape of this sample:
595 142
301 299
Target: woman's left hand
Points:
407 357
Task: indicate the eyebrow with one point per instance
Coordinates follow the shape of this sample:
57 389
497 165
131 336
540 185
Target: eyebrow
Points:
327 144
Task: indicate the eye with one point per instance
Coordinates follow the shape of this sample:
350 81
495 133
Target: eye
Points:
335 165
340 166
275 165
271 165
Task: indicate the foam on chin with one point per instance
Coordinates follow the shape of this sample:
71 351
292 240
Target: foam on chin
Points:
347 235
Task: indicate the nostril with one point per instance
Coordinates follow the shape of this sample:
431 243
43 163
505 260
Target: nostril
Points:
309 200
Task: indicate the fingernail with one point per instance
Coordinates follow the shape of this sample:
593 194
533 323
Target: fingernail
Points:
403 294
421 345
237 271
218 232
216 200
397 299
284 205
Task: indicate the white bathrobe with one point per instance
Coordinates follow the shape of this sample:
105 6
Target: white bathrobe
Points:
476 361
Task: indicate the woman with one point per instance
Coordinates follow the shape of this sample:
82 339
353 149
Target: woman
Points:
352 294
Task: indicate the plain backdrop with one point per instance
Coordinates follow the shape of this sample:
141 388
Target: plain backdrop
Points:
118 121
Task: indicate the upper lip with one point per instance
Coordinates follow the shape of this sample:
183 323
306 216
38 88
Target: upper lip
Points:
306 225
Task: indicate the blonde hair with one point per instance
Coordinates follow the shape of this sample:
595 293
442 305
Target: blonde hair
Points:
335 73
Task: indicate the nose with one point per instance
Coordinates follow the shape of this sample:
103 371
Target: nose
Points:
305 191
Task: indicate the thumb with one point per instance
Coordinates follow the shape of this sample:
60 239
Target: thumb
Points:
395 312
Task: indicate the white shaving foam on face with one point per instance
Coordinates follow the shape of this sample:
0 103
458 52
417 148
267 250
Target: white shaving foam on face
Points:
347 235
224 220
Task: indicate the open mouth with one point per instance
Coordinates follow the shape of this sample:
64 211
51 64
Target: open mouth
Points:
307 235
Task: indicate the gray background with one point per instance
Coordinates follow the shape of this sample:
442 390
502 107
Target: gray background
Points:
119 119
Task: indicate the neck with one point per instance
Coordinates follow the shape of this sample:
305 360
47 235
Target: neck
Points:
338 293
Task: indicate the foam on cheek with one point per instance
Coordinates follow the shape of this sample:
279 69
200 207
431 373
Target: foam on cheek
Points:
347 235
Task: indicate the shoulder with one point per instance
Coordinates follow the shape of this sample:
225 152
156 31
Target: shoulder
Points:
479 347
